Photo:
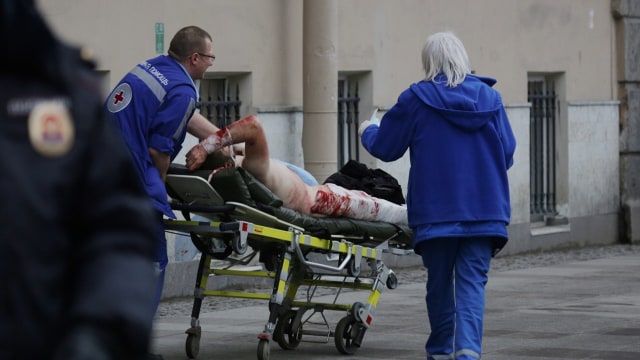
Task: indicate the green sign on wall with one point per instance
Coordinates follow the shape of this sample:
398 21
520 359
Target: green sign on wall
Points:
159 38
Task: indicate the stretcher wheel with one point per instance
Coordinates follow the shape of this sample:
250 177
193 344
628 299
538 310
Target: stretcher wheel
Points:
287 337
355 310
346 331
238 247
192 346
264 350
354 268
392 281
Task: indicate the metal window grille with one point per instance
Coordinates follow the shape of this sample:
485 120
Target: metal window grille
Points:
348 115
543 120
219 107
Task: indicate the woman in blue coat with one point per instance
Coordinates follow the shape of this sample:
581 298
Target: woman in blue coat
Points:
461 144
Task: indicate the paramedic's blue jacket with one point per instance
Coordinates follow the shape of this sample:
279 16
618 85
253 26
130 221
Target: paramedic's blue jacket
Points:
461 145
156 95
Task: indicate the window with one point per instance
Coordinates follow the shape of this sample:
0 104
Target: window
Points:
543 148
348 115
219 102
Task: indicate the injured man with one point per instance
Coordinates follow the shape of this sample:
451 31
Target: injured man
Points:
317 200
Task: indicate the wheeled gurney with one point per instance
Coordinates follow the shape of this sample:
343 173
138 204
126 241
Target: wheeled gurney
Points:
244 220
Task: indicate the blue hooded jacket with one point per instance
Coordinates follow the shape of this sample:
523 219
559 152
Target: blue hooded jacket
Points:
461 145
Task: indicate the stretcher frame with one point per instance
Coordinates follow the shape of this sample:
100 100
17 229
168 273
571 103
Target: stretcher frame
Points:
283 250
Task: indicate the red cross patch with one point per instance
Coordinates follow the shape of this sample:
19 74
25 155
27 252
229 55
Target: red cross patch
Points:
119 98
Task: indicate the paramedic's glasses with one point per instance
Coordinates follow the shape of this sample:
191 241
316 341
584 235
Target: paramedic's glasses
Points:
212 57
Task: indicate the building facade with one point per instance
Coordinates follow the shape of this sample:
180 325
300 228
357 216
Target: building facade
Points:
312 69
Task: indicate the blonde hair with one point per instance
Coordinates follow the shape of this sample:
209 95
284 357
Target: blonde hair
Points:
444 53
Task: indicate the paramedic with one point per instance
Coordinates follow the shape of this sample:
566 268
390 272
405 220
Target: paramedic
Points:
77 235
152 106
461 145
318 200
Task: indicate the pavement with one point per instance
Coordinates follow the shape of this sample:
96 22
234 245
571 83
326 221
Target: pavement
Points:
579 309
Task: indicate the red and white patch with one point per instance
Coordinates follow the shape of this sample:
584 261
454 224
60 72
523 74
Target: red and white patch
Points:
120 97
50 129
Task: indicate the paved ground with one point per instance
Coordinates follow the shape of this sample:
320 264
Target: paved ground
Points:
575 304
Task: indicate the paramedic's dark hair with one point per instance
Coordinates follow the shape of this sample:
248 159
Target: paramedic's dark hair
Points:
188 40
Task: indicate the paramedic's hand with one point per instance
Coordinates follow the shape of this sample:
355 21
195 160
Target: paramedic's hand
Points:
363 125
195 157
373 120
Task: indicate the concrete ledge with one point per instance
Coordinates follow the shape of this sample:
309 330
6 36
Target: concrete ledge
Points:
602 229
180 279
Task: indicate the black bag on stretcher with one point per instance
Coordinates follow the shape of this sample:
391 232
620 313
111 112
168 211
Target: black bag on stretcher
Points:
375 182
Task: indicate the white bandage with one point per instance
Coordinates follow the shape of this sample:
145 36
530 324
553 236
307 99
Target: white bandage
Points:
208 148
217 141
334 200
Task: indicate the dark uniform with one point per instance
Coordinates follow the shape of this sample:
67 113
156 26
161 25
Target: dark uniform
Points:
76 273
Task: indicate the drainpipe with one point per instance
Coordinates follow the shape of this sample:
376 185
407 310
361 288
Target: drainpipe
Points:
320 87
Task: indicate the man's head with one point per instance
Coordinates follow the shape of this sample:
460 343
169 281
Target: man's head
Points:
193 47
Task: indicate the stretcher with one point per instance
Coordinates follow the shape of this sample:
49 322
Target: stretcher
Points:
245 222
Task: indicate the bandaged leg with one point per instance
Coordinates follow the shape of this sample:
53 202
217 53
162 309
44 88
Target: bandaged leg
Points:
334 200
217 141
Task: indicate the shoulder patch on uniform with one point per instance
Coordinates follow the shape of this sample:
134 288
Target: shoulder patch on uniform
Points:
51 130
120 97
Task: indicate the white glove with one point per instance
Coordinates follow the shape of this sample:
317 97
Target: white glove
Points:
373 120
363 125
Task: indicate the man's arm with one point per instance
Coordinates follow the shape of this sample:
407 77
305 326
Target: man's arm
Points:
200 127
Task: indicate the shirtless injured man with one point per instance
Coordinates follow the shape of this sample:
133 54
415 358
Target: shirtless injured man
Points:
317 200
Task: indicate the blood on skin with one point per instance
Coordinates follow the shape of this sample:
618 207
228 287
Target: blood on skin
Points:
328 203
335 201
217 141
